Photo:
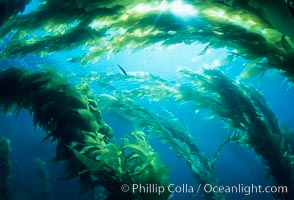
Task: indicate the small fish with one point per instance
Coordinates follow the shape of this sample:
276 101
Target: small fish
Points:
204 50
122 69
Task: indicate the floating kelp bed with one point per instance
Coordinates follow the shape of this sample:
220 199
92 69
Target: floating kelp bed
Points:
71 111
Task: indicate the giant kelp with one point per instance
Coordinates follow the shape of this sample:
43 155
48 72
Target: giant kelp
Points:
244 108
102 27
169 132
44 188
5 165
134 162
72 119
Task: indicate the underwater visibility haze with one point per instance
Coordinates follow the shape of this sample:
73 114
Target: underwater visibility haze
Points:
146 99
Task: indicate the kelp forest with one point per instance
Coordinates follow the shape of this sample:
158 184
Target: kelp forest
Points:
50 66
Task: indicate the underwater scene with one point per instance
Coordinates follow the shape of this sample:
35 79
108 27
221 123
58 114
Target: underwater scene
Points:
125 99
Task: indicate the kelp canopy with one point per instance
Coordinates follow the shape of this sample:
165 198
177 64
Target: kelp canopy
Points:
252 29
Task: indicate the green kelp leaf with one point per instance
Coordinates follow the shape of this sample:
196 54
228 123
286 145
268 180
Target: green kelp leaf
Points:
97 152
137 148
287 43
251 70
90 164
111 155
132 156
223 61
91 135
182 150
87 148
89 140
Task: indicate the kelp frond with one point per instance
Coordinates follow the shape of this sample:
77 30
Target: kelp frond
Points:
133 162
168 131
72 118
244 108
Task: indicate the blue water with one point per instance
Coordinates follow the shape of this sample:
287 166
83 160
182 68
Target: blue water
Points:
235 165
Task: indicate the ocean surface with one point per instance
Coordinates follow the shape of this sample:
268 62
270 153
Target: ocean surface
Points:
148 80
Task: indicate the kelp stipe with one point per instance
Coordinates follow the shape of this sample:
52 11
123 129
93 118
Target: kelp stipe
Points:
73 120
43 183
5 168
